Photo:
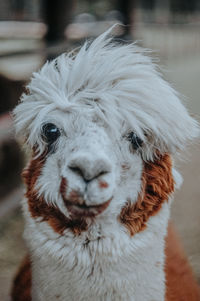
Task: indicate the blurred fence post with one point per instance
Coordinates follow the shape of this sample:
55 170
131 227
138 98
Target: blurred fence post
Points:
57 15
126 8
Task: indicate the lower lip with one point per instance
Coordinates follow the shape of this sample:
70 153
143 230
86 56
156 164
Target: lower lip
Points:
86 211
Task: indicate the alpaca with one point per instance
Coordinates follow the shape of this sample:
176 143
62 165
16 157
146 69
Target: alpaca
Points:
103 126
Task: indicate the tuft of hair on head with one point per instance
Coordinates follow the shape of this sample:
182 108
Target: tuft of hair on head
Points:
120 80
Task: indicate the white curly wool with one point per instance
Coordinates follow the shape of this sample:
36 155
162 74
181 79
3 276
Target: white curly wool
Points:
96 97
122 81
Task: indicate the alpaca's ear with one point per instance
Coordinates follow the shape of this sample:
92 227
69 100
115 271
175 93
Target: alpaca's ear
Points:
171 128
183 128
174 135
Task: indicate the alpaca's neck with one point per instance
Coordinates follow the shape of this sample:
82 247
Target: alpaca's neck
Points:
133 279
129 269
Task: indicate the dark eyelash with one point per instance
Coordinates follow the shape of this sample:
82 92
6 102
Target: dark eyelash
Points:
136 142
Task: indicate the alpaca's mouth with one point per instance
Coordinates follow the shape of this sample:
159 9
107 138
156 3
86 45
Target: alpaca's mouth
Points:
83 210
76 205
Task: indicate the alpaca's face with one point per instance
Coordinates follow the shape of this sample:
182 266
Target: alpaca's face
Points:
102 124
88 171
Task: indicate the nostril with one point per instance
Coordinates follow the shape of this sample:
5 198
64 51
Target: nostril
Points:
102 173
76 170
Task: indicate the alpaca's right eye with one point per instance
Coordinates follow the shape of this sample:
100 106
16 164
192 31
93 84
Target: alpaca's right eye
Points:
50 132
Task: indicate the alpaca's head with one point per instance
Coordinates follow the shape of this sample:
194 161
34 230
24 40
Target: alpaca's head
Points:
95 120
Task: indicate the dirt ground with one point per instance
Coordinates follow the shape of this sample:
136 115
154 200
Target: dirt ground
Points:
12 250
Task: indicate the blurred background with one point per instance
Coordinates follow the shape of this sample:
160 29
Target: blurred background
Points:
33 31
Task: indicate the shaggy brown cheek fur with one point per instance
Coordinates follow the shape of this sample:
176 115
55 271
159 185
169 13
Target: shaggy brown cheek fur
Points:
157 185
39 208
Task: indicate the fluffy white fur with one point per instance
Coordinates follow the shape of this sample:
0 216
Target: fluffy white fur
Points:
120 80
96 97
114 268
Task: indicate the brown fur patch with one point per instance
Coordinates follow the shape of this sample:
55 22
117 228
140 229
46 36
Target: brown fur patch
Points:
63 186
74 197
125 166
21 289
39 208
103 184
157 185
180 281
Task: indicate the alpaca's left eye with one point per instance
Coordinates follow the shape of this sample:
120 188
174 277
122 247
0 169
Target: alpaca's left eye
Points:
136 142
50 132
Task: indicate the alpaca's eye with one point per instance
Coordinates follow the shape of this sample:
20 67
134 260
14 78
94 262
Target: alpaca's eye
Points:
50 132
135 140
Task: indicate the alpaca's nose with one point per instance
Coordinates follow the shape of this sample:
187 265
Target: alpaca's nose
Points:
89 168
